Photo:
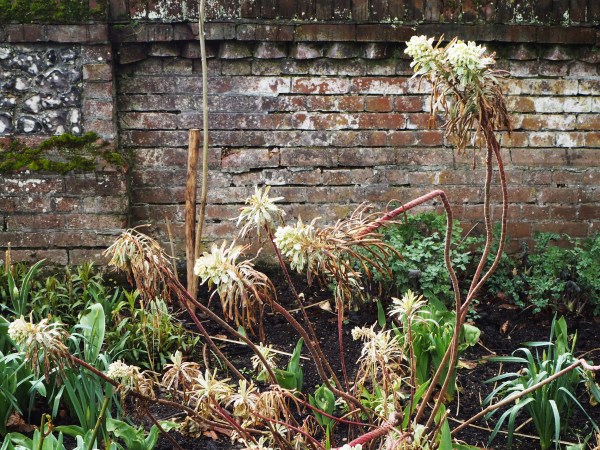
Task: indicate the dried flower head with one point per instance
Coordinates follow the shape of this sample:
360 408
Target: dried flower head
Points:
241 289
244 401
260 213
465 87
144 262
425 56
129 377
407 306
43 340
298 244
210 386
468 60
268 354
180 374
343 254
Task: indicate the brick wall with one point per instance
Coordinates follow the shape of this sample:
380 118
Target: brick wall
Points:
331 125
54 79
325 112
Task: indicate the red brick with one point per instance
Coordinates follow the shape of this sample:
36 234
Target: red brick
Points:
320 86
379 85
378 104
583 157
14 32
102 91
409 103
155 121
36 222
67 33
366 156
392 121
538 157
51 257
250 158
97 72
98 33
34 32
589 212
306 157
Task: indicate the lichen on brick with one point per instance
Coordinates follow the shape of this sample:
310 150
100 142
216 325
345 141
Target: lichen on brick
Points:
50 11
61 154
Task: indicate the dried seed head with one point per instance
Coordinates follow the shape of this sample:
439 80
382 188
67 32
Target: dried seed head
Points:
260 213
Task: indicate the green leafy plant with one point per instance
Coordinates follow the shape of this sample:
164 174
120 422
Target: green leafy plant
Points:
551 405
293 376
431 330
560 273
19 295
84 393
134 438
420 240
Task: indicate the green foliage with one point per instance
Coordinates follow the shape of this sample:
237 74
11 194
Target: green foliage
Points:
432 328
146 335
551 405
19 296
59 154
52 11
84 392
420 241
293 377
143 335
553 276
134 438
325 401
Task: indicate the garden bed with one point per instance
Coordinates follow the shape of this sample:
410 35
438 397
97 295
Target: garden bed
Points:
504 327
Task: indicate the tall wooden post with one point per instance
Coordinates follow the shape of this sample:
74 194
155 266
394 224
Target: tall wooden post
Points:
190 206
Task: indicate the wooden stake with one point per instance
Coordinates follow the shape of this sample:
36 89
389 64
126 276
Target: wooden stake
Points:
190 205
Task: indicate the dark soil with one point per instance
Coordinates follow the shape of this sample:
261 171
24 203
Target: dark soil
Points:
503 329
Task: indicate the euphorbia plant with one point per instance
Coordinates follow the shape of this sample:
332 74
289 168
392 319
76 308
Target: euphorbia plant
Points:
385 404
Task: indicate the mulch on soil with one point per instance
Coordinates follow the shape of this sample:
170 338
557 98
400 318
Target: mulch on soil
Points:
503 330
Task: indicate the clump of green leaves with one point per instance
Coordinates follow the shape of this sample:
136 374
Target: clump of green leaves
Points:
420 240
60 154
560 273
550 406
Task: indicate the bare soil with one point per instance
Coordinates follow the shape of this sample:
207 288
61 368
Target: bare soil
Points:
503 328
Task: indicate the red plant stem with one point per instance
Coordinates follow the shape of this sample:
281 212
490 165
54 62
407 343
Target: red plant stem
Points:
136 394
340 322
162 430
491 139
315 340
383 220
291 427
188 306
225 415
372 435
185 297
323 413
487 219
508 400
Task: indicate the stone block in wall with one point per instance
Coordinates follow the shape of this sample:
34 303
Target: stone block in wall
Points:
41 89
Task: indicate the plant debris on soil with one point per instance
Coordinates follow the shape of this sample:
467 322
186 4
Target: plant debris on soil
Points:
503 326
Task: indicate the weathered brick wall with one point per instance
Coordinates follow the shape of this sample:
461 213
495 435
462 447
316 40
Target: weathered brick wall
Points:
56 79
314 99
331 125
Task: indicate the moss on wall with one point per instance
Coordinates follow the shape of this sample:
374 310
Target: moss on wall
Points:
50 11
60 154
